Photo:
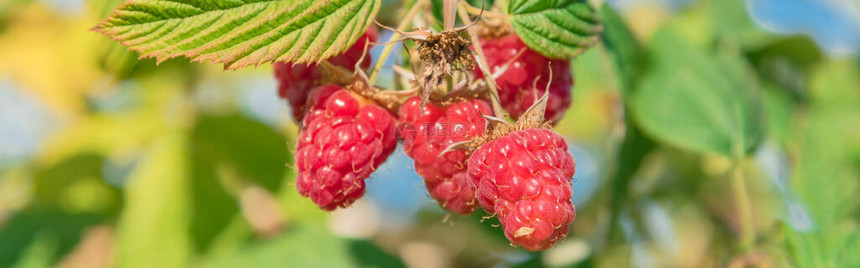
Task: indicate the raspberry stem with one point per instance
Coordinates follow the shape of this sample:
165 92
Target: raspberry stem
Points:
742 202
449 8
481 59
407 20
487 13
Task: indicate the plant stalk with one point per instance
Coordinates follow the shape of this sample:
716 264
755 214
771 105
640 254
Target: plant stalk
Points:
449 8
744 208
481 59
383 57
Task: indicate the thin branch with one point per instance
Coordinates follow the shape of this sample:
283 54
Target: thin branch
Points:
481 59
743 207
395 36
449 11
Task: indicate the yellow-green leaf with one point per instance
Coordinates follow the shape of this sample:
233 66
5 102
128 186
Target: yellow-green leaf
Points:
153 227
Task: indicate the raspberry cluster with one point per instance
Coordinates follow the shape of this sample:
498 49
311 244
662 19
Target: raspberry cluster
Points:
519 172
297 80
526 77
525 179
437 128
343 139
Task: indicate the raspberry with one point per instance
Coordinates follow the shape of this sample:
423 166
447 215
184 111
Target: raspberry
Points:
297 80
437 128
343 139
517 91
525 179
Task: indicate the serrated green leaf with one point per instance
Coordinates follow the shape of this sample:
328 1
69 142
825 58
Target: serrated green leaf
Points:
557 29
698 101
240 33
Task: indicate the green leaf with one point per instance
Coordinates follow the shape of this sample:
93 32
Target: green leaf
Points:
307 246
214 207
556 28
240 33
731 22
153 228
40 253
786 63
827 185
835 83
255 152
25 231
698 101
628 60
626 52
55 186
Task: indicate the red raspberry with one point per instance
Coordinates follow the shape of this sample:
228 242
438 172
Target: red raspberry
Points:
343 139
437 127
297 80
525 179
517 91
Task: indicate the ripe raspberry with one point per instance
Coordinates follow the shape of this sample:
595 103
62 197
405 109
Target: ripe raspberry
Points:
525 179
297 80
437 128
343 139
517 91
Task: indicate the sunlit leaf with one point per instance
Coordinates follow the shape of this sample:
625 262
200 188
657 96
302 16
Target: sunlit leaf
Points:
153 228
102 134
836 83
825 228
239 33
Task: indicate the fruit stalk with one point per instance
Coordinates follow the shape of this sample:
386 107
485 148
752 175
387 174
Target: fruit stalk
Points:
450 13
407 20
481 59
742 202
